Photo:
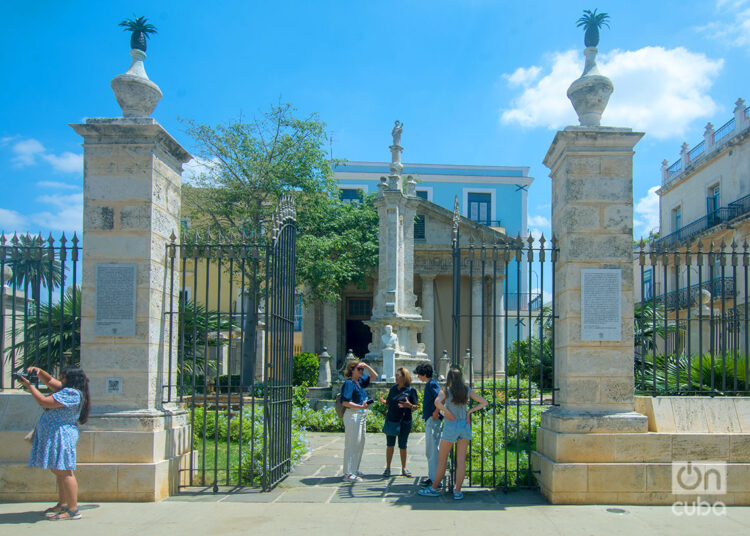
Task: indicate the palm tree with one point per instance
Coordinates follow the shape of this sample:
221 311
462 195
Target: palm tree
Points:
591 22
34 265
141 30
53 337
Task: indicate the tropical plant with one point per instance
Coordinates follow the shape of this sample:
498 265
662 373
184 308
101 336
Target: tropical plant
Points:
532 359
51 338
591 21
34 265
650 322
140 29
199 329
305 369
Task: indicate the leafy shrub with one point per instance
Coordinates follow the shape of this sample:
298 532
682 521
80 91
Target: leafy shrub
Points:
305 369
524 360
519 390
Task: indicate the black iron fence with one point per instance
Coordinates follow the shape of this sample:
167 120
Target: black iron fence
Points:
40 304
233 330
691 319
509 356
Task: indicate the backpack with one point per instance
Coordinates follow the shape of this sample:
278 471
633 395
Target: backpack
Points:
340 409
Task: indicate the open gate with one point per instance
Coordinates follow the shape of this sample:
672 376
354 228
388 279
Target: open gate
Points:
503 340
234 328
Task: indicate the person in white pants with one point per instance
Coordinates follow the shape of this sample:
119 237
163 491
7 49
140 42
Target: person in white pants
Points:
356 401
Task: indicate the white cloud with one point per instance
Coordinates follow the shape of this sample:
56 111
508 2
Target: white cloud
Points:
57 185
539 221
28 152
523 76
647 210
66 213
10 220
66 162
657 90
732 27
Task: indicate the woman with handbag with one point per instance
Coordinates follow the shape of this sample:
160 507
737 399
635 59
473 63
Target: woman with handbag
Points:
56 433
402 400
354 398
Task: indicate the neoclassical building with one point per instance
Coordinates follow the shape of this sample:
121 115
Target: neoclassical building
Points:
492 202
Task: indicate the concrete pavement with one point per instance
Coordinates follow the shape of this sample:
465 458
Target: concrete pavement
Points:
314 500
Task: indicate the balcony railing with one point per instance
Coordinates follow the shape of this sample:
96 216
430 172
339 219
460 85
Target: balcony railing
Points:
719 287
698 152
717 217
741 206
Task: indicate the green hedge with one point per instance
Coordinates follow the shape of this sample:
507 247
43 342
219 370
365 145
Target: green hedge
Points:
305 369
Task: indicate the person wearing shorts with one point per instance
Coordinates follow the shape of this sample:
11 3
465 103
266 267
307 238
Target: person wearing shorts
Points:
453 401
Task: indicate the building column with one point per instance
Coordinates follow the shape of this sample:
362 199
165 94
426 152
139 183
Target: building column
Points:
476 323
332 339
428 314
499 331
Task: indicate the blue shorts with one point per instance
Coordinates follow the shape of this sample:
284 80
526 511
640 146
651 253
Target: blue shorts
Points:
453 431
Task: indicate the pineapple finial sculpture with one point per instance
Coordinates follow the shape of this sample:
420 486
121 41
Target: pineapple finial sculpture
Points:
590 93
135 93
140 31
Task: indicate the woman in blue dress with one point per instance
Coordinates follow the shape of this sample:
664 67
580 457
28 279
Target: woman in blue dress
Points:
56 433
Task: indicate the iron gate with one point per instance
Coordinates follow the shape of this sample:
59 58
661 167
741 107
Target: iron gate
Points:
503 340
234 327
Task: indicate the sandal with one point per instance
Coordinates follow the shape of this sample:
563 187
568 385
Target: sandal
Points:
66 514
405 472
54 510
387 473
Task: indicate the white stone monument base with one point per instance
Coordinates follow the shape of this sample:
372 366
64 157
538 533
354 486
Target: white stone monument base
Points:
134 457
617 459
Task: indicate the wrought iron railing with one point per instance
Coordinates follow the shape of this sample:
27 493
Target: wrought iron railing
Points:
717 217
697 151
694 337
719 287
40 304
740 206
724 131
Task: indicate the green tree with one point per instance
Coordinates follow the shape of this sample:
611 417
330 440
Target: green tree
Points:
337 246
34 265
250 165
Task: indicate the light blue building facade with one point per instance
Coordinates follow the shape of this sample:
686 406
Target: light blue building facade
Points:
493 195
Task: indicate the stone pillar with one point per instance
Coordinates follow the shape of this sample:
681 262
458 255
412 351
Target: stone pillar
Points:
131 185
685 155
428 314
477 348
741 120
592 218
708 137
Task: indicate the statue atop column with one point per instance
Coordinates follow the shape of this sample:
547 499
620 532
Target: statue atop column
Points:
396 132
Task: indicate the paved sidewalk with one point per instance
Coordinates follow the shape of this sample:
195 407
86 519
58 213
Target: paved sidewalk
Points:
314 500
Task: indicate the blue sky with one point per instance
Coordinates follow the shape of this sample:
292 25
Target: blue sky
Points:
473 81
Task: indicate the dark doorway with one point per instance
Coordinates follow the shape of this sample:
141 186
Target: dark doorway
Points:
358 335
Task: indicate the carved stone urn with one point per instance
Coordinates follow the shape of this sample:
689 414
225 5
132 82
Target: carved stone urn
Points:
135 93
590 93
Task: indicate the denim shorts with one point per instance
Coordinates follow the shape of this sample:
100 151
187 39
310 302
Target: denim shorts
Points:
453 431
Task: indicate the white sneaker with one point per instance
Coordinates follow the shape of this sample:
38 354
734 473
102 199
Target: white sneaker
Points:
354 478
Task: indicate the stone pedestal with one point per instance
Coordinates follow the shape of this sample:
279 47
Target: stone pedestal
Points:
131 207
592 218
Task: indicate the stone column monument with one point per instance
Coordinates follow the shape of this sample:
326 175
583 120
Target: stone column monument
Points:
592 217
394 302
134 442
